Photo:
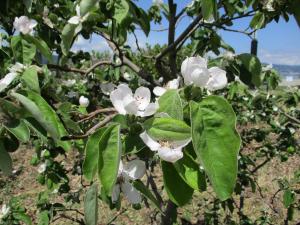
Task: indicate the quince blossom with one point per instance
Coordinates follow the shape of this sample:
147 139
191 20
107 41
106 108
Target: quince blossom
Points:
131 171
24 25
138 104
14 71
172 84
170 151
195 71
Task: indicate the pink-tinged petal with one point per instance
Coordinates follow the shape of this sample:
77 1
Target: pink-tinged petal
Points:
159 91
143 96
217 80
133 196
115 193
135 169
152 144
170 155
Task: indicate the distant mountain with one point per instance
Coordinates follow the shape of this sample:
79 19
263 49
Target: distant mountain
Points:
288 72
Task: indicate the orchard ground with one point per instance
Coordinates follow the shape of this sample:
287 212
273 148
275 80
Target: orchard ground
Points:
23 185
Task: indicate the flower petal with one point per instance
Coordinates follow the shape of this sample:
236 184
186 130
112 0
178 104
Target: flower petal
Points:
170 155
143 96
218 79
115 193
152 144
131 107
173 84
180 144
200 76
135 169
116 98
159 91
74 20
150 110
133 196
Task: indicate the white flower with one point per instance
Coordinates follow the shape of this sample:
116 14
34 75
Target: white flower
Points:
172 84
84 102
229 55
69 82
14 71
161 79
78 19
195 71
170 151
42 168
158 2
56 5
127 76
24 25
118 61
4 211
107 88
138 104
133 170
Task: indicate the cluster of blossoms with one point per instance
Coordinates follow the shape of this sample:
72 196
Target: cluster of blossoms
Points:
194 71
24 25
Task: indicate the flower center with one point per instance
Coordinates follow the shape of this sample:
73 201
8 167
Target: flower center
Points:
165 144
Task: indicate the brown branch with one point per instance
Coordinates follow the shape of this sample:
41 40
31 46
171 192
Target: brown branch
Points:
100 63
91 130
65 69
95 113
171 37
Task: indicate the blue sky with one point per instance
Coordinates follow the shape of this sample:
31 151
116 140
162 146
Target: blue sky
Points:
278 43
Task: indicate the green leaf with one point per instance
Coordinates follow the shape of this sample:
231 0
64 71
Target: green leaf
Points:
67 37
170 103
43 218
5 160
250 69
139 185
216 142
91 205
86 6
109 157
23 217
90 164
258 21
140 17
288 198
45 115
23 51
296 10
41 45
167 129
209 9
190 172
19 129
30 78
121 8
178 191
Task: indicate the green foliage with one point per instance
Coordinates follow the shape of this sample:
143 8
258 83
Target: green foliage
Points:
216 142
5 160
91 205
171 104
109 157
178 191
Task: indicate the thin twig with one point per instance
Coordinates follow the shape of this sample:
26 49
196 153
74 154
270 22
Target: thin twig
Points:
116 216
95 113
91 130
